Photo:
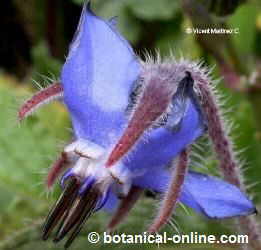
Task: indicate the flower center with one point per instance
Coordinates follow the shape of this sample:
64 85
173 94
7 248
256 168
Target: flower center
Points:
86 187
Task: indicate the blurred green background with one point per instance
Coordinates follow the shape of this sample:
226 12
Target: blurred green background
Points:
34 39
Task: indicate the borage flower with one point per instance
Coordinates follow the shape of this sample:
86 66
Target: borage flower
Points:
130 120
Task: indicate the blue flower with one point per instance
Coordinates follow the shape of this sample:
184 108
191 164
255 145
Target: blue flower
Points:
130 120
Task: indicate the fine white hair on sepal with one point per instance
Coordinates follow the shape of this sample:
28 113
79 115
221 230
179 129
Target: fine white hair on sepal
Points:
220 126
174 69
200 154
174 225
27 105
41 98
45 80
39 85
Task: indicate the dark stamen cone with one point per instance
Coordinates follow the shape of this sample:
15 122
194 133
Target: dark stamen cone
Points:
64 202
77 215
78 227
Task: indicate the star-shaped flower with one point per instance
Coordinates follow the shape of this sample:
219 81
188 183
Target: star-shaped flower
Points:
130 119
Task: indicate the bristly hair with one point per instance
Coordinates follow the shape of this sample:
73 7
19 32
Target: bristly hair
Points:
43 97
211 104
150 104
219 128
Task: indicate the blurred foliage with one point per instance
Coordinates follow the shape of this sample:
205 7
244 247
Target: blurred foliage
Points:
28 149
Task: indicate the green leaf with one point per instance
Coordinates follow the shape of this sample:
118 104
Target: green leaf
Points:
154 9
25 154
245 20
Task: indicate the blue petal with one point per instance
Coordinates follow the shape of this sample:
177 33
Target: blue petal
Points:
214 197
161 145
156 180
207 195
97 79
111 203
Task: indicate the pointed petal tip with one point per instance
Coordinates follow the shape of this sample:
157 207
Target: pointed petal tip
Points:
215 198
252 211
87 4
94 44
87 7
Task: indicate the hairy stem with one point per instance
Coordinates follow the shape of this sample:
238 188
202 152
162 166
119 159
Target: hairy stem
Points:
229 166
172 194
219 135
